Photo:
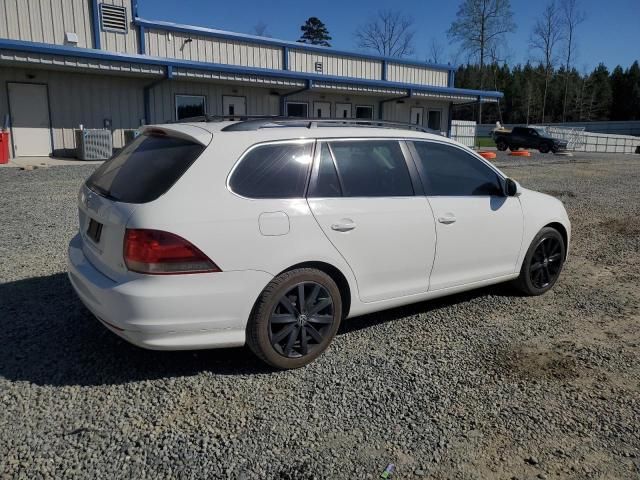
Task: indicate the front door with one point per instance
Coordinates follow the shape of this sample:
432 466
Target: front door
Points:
321 109
478 228
417 115
234 106
367 209
30 126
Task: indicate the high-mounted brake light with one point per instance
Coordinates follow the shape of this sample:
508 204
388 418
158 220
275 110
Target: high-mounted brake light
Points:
161 253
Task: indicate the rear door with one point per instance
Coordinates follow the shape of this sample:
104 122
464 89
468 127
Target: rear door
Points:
362 196
140 173
479 229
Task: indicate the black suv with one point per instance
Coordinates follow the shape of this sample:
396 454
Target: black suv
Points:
528 137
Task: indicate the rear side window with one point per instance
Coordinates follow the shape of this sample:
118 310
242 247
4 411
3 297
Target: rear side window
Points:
273 171
372 168
144 169
450 171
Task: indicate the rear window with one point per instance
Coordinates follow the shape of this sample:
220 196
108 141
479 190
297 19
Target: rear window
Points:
144 169
273 171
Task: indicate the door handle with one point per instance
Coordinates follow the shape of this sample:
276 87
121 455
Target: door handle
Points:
343 227
447 219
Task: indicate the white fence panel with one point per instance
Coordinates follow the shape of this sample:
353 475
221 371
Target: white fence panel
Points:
464 131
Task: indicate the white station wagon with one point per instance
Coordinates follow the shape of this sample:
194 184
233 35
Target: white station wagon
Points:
271 232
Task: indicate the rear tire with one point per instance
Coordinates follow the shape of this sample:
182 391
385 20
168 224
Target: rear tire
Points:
501 145
295 318
543 263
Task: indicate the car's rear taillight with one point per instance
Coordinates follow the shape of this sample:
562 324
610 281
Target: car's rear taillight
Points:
161 253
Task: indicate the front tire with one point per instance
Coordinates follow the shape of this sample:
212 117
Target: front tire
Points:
544 148
295 318
543 263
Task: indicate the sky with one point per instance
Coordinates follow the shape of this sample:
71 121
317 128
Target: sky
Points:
610 34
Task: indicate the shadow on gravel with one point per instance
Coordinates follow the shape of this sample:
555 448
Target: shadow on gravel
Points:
366 321
47 337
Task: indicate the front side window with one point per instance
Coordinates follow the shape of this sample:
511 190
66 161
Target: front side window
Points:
188 106
273 171
372 168
450 171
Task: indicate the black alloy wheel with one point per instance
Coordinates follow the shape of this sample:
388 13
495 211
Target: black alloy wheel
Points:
295 318
543 262
301 320
546 262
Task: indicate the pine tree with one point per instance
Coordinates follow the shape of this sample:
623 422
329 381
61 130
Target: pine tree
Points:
315 32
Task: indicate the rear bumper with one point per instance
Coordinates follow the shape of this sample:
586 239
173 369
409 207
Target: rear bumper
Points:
169 312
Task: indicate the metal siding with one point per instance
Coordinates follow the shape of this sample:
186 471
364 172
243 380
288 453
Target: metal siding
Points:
341 66
76 98
46 20
211 50
417 75
162 98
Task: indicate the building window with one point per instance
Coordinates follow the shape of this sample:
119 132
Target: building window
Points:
188 106
435 120
113 18
297 109
364 111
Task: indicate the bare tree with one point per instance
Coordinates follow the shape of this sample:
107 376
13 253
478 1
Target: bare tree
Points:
389 33
572 16
261 29
481 25
546 35
436 51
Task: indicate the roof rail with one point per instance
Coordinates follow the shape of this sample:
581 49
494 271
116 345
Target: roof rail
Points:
277 122
223 118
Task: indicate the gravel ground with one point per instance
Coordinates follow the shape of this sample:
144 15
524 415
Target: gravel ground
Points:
481 385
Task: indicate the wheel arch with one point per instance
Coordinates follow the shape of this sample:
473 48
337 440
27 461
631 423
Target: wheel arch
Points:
563 231
335 274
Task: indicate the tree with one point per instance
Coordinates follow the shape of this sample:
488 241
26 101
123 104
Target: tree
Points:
546 35
572 16
389 33
315 32
436 51
261 29
480 26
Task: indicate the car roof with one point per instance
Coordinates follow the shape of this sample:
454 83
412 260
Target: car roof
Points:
286 132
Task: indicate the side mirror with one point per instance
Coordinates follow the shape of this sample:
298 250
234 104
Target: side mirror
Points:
512 188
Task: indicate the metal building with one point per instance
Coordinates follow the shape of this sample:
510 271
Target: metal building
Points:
96 63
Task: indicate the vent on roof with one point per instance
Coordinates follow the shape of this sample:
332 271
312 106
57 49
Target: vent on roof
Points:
113 18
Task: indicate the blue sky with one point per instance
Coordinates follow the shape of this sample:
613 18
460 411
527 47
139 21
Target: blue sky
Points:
610 34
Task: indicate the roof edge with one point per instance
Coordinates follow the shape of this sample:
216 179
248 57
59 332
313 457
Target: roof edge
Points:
170 63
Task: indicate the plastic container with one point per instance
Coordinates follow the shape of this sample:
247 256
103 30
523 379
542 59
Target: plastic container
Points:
4 147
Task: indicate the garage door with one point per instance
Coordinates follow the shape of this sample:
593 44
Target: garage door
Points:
30 127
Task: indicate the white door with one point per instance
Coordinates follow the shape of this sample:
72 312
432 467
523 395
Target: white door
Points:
479 229
343 110
369 213
417 115
321 109
30 127
233 106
